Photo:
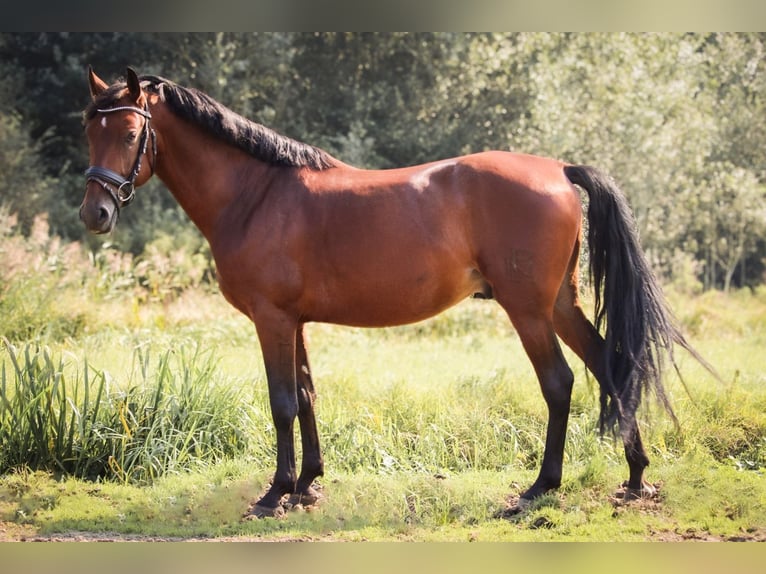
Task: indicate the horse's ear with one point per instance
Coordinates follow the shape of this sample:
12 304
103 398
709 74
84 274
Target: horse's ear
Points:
134 85
97 85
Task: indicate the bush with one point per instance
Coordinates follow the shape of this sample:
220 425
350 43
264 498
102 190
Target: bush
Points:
51 288
26 190
171 264
39 282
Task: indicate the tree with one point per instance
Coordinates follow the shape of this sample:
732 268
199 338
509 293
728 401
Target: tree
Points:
736 79
25 190
386 100
663 114
677 119
731 218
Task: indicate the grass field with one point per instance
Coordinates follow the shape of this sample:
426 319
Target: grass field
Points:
427 431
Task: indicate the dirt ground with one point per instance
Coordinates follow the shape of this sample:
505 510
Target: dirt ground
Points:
11 532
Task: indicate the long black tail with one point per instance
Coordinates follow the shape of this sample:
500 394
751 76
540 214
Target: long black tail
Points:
640 329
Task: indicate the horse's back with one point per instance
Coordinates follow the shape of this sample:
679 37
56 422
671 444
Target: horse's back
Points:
376 248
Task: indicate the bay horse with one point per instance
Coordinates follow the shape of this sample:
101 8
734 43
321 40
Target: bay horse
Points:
298 236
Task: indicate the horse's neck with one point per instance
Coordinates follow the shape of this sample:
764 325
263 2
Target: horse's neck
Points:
201 172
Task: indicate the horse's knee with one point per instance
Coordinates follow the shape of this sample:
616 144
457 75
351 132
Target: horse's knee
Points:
557 388
284 410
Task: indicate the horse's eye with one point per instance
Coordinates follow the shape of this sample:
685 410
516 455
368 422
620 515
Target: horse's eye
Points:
130 138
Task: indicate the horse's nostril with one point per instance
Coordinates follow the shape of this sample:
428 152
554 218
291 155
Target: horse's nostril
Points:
103 214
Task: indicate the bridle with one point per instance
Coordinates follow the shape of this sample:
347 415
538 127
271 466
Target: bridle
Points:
123 190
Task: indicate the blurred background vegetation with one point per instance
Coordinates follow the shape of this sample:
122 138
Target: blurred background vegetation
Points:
678 119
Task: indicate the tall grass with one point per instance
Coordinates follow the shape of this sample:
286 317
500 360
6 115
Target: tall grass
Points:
439 404
171 414
38 275
425 430
52 289
176 410
41 423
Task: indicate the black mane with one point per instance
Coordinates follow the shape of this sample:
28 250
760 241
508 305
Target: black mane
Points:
199 108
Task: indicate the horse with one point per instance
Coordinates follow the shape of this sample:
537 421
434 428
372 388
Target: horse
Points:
298 236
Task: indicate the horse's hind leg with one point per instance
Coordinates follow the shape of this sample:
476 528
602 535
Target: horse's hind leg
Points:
579 334
537 335
312 464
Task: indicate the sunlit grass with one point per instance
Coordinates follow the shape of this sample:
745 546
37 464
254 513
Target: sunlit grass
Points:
426 430
169 413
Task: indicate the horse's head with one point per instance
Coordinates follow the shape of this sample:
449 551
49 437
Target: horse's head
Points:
117 125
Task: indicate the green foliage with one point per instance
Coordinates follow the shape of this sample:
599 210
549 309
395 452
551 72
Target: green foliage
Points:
25 191
39 282
169 416
51 288
677 119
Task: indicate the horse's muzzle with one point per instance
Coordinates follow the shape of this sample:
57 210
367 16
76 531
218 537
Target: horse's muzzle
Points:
98 217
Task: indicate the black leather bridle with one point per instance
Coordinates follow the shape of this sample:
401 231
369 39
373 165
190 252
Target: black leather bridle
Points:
120 189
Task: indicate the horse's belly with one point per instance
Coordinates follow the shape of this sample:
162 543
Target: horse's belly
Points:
387 301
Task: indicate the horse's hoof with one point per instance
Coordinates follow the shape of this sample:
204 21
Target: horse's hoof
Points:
644 492
258 511
522 504
630 494
306 499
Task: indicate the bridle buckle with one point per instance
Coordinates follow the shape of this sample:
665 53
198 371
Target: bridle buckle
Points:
126 192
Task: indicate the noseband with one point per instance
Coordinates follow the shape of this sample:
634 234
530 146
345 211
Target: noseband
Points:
120 189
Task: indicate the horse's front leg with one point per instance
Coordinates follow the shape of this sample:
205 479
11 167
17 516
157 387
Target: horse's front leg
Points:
277 336
312 464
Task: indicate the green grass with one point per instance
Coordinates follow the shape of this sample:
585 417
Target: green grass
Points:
168 414
426 431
